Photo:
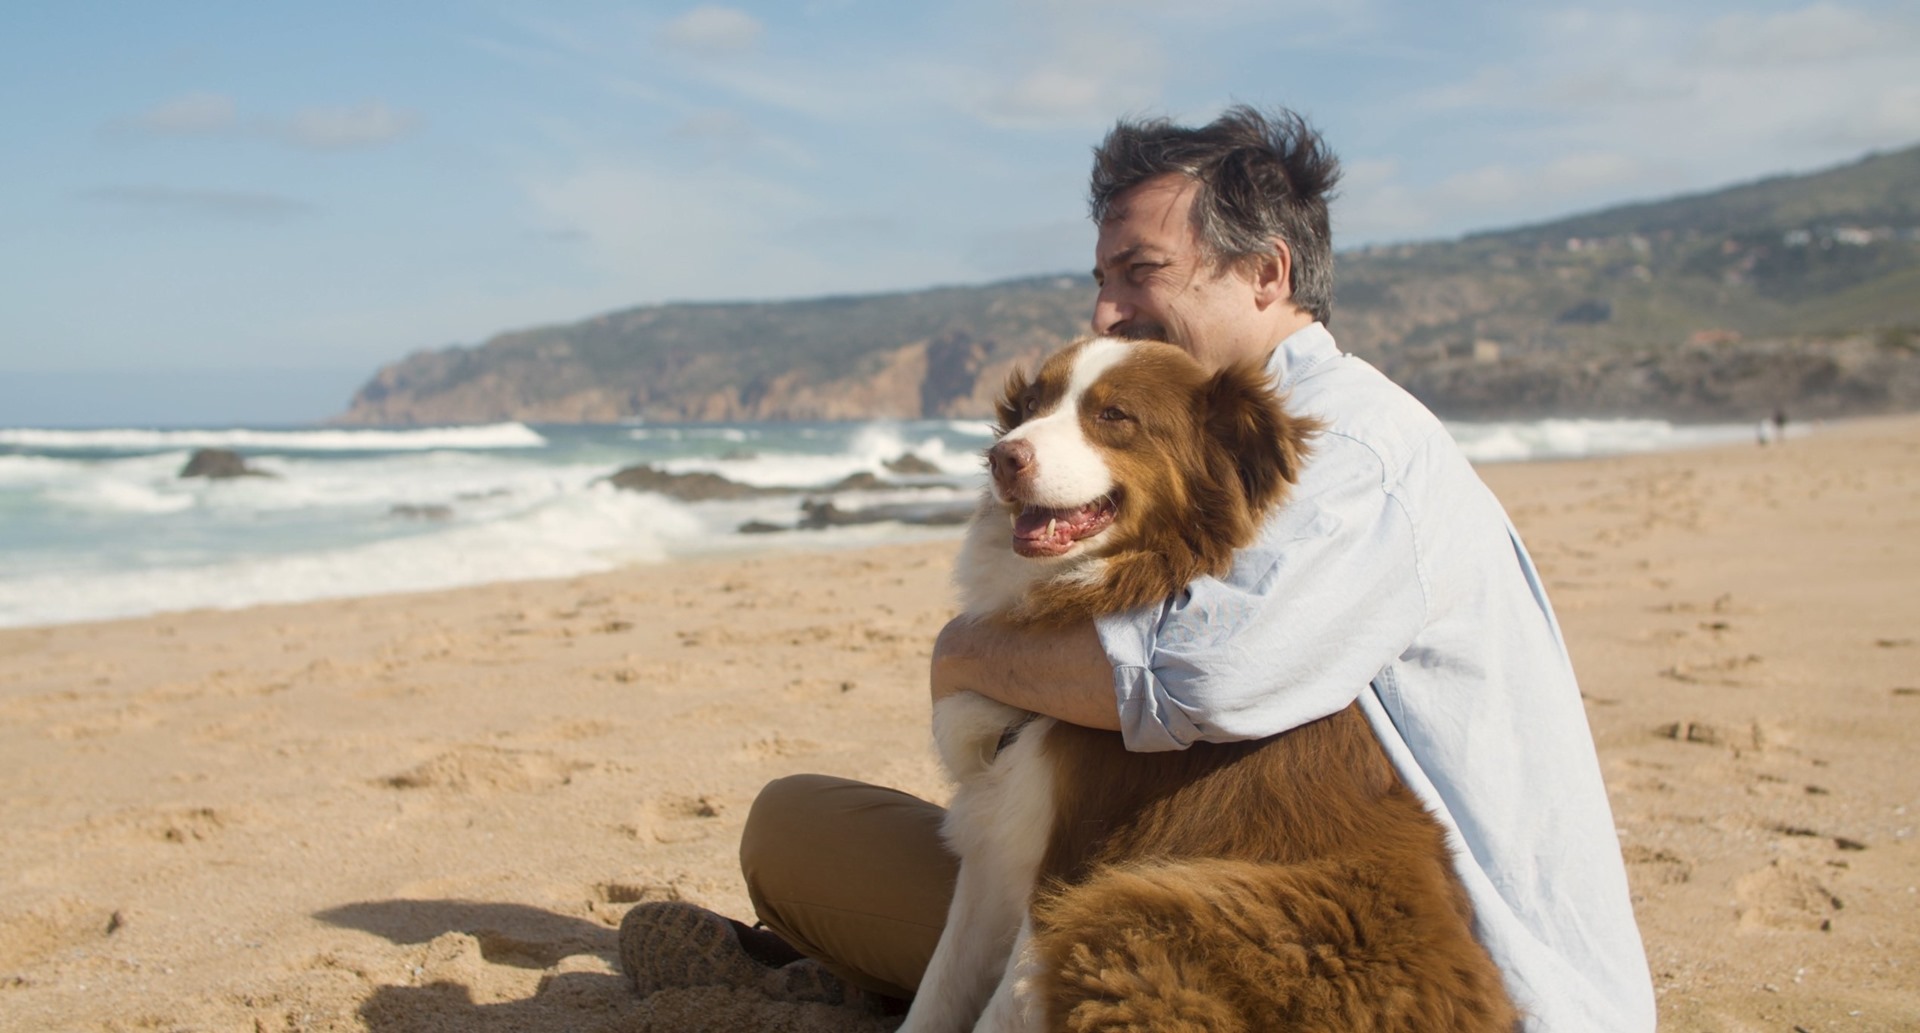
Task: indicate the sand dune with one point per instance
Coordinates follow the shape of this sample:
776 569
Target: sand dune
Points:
429 812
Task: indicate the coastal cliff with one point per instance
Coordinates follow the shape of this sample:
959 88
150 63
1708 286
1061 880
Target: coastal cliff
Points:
1800 292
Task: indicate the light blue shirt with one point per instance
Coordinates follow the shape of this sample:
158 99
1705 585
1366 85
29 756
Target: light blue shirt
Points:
1392 575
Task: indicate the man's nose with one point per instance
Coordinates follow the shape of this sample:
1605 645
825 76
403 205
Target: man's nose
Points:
1108 312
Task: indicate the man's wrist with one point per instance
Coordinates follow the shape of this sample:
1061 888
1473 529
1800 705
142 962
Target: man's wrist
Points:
1062 673
953 650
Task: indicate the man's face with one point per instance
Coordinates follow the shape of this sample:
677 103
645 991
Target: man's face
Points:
1156 280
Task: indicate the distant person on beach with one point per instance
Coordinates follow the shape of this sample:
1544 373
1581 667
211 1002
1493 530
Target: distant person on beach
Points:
1392 576
1774 428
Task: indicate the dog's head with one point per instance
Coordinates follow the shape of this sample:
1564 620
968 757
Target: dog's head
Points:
1123 470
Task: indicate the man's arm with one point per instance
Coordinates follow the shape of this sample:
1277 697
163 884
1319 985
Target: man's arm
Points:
1328 594
1063 674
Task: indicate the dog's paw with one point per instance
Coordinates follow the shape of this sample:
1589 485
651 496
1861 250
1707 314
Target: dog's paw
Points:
967 728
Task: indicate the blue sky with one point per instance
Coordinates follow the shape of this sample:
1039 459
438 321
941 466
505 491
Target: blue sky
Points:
237 211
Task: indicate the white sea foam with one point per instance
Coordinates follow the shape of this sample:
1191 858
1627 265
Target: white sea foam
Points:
497 435
694 433
30 471
98 525
982 429
867 450
590 530
1574 439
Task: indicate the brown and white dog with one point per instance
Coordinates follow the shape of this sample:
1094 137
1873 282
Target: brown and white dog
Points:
1287 883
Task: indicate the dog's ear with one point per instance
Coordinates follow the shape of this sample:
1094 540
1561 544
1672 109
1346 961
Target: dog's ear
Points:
1267 445
1011 408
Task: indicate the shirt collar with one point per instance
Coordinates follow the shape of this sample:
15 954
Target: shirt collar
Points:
1302 350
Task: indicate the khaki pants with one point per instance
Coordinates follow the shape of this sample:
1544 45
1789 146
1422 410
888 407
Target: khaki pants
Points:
852 874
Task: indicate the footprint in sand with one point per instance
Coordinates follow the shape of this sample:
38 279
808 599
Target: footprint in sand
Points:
1693 731
1784 896
184 826
1660 865
634 891
460 958
487 769
1751 736
777 747
131 717
1715 671
675 819
610 901
55 926
498 948
191 825
577 730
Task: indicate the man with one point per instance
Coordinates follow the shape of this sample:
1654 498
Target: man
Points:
1392 575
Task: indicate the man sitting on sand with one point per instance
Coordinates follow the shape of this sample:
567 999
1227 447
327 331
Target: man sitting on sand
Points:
1392 575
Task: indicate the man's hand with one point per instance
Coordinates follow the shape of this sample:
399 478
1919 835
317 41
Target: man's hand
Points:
1063 674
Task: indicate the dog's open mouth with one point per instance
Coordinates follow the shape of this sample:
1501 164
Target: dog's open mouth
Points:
1042 531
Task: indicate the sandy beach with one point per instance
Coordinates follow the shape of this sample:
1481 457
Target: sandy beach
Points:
429 812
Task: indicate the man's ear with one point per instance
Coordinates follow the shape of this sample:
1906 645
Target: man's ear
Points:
1272 275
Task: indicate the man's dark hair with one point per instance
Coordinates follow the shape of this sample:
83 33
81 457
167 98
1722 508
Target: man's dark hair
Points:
1260 177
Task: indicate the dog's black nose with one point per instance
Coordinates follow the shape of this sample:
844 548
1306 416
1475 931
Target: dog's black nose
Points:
1009 459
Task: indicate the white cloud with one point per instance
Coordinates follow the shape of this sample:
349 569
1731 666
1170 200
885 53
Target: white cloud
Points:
1614 85
237 205
1880 122
194 114
659 232
1589 109
1068 75
713 30
1005 66
676 234
724 133
1550 183
717 125
1820 33
369 124
1047 96
1059 245
1493 84
1377 205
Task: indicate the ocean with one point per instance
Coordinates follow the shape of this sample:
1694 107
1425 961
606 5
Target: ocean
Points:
98 524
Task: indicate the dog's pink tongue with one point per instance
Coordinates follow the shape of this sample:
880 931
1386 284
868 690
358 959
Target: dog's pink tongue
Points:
1040 531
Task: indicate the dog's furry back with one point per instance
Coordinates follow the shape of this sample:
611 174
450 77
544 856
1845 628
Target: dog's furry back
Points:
1285 883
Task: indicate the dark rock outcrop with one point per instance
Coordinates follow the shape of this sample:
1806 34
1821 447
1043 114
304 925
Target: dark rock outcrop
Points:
910 465
820 513
689 487
219 464
434 512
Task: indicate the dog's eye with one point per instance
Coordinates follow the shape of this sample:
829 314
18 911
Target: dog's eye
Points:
1114 414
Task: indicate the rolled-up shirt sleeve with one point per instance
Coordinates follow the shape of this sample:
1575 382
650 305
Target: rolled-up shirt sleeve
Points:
1327 595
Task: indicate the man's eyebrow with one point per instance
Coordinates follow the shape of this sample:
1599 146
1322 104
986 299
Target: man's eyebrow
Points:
1120 257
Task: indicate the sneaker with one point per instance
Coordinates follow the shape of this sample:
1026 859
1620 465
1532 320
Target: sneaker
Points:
670 944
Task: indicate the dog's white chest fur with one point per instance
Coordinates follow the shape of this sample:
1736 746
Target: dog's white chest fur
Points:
998 823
